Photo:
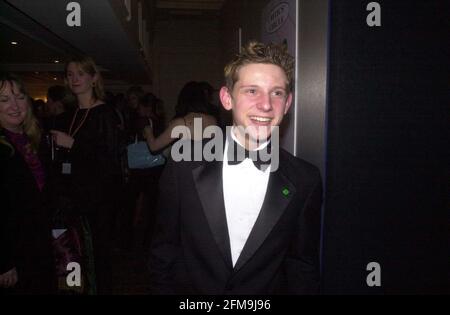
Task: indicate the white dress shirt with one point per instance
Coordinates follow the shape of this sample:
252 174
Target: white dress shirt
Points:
244 189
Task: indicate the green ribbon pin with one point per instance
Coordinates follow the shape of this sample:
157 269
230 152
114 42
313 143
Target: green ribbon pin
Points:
286 192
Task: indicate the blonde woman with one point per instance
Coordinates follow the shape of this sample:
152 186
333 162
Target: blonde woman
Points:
26 259
89 162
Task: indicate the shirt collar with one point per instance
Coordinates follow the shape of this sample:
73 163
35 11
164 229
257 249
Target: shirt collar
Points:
234 137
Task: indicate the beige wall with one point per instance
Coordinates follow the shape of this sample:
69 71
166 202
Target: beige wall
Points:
244 14
185 51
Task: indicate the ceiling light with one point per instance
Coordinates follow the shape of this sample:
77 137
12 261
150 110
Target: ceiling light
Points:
56 61
14 43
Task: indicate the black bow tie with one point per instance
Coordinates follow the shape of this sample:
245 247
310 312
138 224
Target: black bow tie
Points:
260 158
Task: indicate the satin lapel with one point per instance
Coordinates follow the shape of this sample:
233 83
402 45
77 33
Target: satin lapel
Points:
208 182
280 192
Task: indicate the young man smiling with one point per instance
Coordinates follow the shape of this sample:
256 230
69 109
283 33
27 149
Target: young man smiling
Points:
231 226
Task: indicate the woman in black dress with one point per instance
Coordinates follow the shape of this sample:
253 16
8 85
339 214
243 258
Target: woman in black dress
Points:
26 261
89 163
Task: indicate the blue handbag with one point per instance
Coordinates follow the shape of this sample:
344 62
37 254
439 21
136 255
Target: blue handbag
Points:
140 157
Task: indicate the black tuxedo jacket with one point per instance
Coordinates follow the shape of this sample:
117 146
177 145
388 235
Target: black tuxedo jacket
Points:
190 252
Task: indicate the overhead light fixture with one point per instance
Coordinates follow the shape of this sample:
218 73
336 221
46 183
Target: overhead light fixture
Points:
55 78
56 61
14 43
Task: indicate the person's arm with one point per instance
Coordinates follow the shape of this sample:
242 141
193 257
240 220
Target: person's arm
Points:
9 220
62 139
302 263
158 143
8 234
9 278
165 247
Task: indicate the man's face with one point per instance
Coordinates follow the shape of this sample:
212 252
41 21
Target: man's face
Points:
259 100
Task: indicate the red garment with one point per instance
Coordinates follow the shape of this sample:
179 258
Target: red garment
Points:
21 143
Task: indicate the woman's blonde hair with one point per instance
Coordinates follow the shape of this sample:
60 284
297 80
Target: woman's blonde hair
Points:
30 124
87 64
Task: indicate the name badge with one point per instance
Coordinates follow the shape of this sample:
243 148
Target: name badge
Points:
67 168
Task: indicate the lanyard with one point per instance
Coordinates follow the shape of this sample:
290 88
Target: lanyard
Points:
72 134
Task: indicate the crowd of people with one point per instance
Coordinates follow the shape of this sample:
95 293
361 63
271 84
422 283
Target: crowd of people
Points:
69 194
221 226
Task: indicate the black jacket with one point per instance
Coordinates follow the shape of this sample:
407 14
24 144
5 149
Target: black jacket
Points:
190 253
94 158
25 236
